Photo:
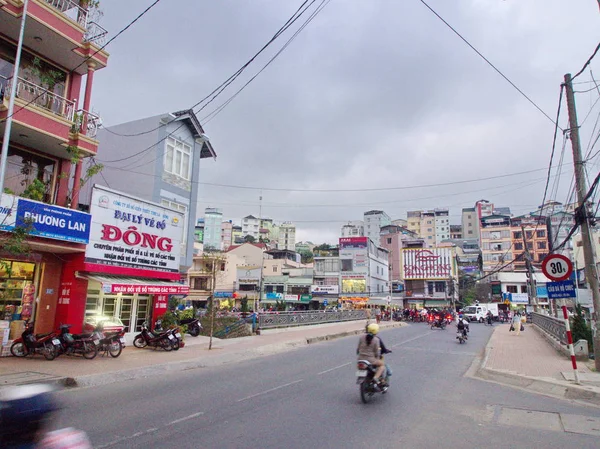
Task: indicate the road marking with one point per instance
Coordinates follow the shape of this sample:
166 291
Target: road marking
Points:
270 390
437 351
332 369
413 339
185 418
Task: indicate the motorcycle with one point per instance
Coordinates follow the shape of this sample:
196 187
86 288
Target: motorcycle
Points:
488 320
165 340
438 324
367 384
460 335
174 331
111 343
29 344
193 325
72 344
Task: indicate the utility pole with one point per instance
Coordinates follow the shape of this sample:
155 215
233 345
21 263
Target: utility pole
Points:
580 184
530 273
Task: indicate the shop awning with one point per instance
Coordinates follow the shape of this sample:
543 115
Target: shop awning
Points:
117 284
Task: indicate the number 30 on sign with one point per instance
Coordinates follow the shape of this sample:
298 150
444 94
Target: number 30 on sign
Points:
557 267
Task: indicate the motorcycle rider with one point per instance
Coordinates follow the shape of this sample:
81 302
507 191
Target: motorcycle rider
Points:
370 349
463 325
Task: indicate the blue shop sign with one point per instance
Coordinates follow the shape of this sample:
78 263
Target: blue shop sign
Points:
223 294
561 290
542 291
274 295
53 222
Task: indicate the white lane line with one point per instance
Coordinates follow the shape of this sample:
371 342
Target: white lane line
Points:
270 390
332 369
413 339
185 418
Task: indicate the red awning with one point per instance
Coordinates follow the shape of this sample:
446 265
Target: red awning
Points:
117 284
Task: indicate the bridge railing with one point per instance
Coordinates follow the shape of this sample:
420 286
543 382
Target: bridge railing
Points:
551 325
270 320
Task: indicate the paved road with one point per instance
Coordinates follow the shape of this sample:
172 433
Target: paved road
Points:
308 398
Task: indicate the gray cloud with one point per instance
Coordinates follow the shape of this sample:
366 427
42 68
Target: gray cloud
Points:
370 94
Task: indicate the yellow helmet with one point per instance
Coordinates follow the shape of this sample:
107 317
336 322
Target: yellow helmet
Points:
373 328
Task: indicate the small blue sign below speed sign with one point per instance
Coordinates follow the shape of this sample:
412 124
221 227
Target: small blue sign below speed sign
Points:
557 267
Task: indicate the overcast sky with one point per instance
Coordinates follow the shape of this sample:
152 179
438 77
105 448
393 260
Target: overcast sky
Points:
371 94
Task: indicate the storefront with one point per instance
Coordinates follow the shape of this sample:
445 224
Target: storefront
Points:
130 267
30 272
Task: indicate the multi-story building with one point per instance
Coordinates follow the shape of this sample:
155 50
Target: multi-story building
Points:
413 220
364 270
251 227
394 239
442 225
456 232
52 136
237 236
374 220
536 239
430 276
470 223
165 160
353 229
326 279
496 242
559 225
269 231
287 236
213 219
400 222
484 208
226 234
199 231
304 247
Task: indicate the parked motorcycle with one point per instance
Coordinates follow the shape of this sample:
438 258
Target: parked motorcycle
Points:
29 344
367 384
111 343
165 340
176 332
74 344
193 324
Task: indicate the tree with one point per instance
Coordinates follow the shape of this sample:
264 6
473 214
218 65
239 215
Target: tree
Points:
581 330
306 257
249 239
212 262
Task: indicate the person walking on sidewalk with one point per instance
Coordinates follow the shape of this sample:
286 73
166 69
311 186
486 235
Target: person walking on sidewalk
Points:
516 322
378 315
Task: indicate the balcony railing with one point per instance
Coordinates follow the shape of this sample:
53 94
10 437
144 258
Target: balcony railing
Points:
87 123
95 34
42 98
71 9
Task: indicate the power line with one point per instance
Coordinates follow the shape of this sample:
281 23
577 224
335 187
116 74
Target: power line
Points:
488 61
87 58
379 189
587 62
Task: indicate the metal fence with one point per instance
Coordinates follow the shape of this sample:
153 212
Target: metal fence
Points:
288 319
551 325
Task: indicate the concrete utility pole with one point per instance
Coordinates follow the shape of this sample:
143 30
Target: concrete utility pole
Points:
532 283
580 184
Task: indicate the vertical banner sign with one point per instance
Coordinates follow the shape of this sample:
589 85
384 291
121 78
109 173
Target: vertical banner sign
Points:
133 233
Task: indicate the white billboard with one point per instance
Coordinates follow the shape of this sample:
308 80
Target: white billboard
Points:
432 263
133 233
324 289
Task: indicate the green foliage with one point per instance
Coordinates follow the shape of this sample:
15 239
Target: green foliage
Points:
48 78
280 305
35 191
306 257
249 239
580 329
244 304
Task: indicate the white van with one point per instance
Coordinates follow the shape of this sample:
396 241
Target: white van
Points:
479 312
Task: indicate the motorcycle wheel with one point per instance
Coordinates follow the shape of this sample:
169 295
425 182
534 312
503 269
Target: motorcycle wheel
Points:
166 344
115 348
194 330
49 351
365 393
432 326
175 344
18 349
90 350
139 342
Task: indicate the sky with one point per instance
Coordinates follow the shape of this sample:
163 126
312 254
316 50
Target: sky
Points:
376 101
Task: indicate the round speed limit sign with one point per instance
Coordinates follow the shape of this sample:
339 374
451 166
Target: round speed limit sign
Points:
557 267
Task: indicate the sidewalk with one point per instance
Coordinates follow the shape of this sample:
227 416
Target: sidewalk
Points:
135 363
529 361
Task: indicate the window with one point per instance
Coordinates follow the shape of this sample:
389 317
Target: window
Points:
518 247
177 158
440 287
512 289
183 209
274 268
517 235
346 264
223 266
469 232
23 168
541 234
523 289
529 234
529 245
541 245
389 241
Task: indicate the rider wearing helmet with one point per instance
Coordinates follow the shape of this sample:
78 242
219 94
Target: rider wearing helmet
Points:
462 325
369 348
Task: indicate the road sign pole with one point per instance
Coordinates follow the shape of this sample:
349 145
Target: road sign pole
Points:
570 342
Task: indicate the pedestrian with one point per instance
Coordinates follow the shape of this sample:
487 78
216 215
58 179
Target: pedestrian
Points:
378 315
516 322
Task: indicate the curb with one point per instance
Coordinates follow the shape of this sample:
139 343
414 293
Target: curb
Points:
541 385
92 380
